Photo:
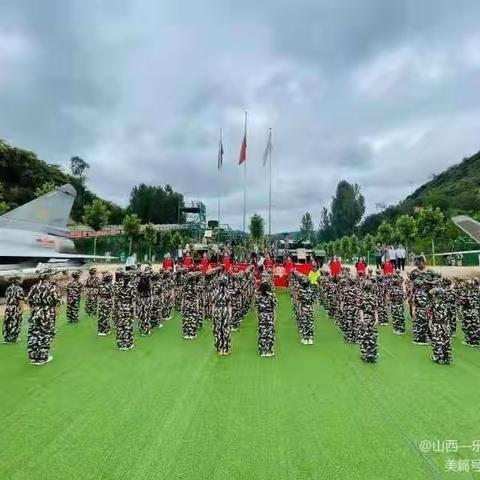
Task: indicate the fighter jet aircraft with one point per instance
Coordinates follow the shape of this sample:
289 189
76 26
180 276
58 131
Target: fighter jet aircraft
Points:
35 235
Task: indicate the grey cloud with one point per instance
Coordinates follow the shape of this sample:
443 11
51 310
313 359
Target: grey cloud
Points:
380 93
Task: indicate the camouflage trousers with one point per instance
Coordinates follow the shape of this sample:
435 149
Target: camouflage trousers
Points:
189 319
350 313
398 317
368 339
125 337
40 334
420 325
91 304
236 317
156 311
471 327
167 304
222 328
73 308
144 311
441 346
266 333
452 318
382 312
306 325
105 306
12 323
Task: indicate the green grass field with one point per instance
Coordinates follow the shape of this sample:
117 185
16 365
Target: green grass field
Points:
173 409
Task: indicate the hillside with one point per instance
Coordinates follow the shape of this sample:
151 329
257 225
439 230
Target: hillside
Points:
454 191
22 172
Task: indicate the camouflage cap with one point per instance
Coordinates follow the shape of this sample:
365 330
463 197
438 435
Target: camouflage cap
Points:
92 270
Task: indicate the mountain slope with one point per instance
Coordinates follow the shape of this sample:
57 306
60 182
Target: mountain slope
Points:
455 191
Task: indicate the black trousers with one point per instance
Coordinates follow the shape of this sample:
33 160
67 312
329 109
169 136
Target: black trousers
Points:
401 263
378 261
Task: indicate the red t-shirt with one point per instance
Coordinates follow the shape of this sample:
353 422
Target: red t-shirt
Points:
335 268
387 268
187 262
268 264
205 263
227 263
361 268
289 267
168 263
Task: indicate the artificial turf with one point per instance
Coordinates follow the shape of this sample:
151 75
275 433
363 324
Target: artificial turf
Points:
173 409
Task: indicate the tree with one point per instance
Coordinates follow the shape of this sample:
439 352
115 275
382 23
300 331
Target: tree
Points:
78 167
257 227
345 246
306 226
355 244
131 228
431 223
337 246
325 233
348 207
46 187
407 228
154 204
385 232
150 236
96 217
3 204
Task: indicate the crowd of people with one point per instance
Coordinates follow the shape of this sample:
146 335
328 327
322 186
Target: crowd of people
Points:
145 297
222 294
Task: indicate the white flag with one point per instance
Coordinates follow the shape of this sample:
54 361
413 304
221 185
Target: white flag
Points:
268 148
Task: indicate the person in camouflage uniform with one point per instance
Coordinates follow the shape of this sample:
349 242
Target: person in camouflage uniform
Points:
144 303
105 304
306 306
450 304
156 320
350 309
190 306
12 321
91 292
200 294
167 294
179 281
381 291
266 304
119 275
74 294
397 304
421 283
367 332
222 314
126 294
43 299
469 299
235 293
439 325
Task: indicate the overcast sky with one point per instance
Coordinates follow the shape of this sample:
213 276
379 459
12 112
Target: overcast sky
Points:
383 93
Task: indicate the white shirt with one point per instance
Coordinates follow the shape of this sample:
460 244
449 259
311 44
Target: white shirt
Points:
391 254
400 253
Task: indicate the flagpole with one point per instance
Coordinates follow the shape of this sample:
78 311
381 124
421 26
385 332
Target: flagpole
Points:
270 186
220 147
245 181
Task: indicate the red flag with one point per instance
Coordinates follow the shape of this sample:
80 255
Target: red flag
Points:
243 151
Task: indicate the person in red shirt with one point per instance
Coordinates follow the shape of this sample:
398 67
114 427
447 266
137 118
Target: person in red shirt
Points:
188 261
205 262
335 267
289 266
387 268
268 263
361 267
168 262
226 262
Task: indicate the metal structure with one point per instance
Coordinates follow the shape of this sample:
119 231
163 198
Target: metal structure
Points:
195 215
